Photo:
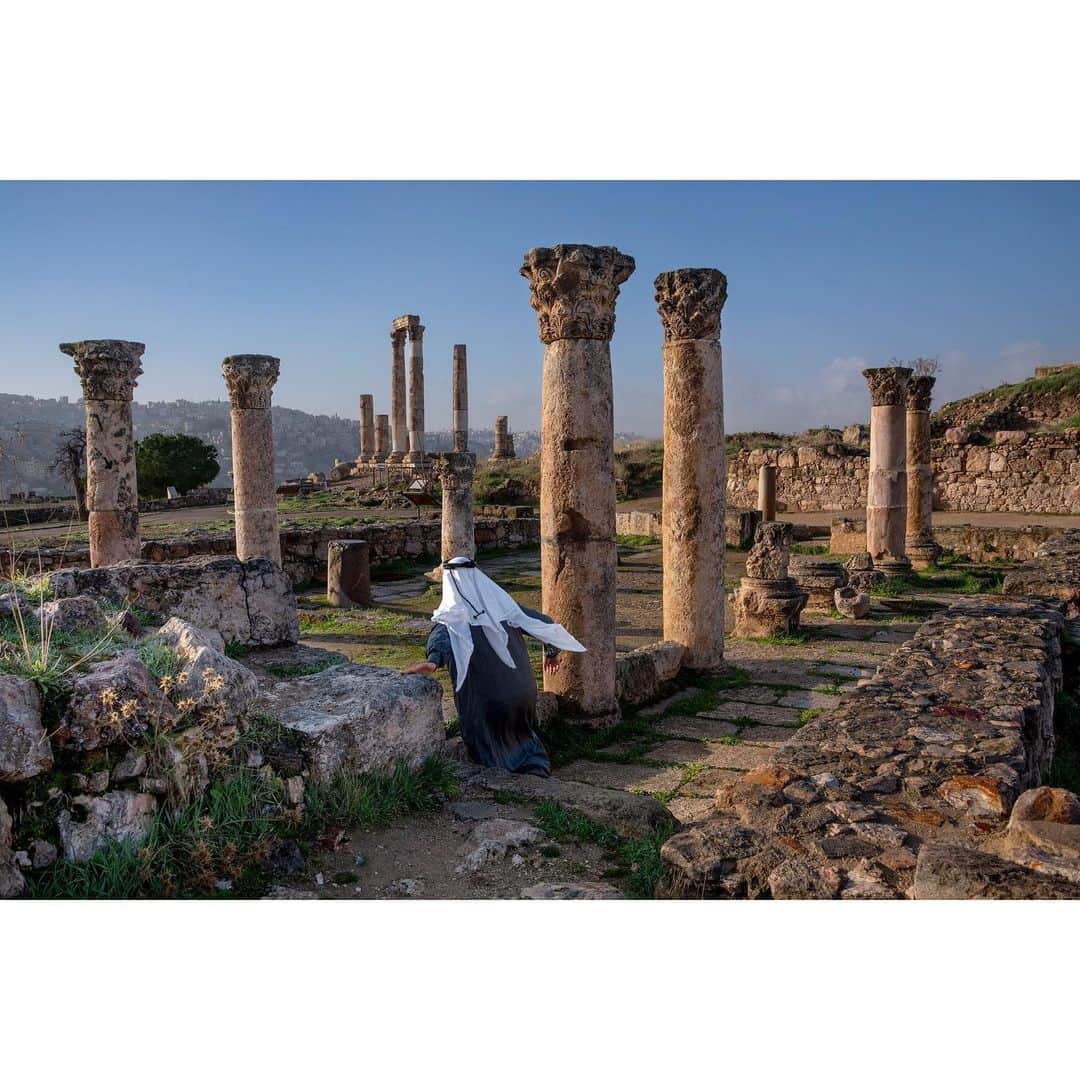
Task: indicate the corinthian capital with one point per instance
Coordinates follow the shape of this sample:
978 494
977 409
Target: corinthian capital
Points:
888 385
107 369
250 380
573 288
690 302
454 469
920 388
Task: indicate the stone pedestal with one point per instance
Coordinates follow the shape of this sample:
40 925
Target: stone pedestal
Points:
250 380
919 539
886 502
348 573
399 423
460 393
504 441
367 430
695 465
108 371
819 579
766 499
382 438
573 288
768 601
455 472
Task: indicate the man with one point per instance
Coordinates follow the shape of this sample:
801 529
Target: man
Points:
478 636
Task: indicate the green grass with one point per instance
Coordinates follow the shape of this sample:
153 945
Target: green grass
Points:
635 540
159 659
796 637
229 832
806 715
1065 768
636 862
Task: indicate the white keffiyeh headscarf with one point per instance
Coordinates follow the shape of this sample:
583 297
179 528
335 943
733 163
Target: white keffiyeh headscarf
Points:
470 598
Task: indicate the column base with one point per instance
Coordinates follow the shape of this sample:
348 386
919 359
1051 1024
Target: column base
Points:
767 607
923 555
894 567
395 457
414 457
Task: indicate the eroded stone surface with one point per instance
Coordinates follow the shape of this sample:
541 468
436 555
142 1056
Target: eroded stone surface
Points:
120 816
25 750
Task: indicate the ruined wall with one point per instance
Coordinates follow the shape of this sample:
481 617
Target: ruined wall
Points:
1020 472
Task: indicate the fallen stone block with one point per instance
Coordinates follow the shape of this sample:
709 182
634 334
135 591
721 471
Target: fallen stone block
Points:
122 817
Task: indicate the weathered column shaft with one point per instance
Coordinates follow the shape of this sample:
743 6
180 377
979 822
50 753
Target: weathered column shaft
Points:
367 428
456 472
504 441
695 463
398 413
250 380
573 289
416 391
766 497
919 540
108 371
886 503
382 437
348 573
461 400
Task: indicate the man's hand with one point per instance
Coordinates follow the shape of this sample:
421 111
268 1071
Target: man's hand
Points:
425 667
552 664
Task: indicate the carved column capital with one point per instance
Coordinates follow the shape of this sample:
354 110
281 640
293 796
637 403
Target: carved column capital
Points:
250 379
397 338
573 288
888 385
108 369
454 469
690 302
920 389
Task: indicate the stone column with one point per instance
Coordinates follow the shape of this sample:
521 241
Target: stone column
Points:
768 600
399 424
766 492
250 380
504 441
461 400
382 438
695 463
108 371
886 501
348 573
919 539
455 471
573 288
367 429
416 392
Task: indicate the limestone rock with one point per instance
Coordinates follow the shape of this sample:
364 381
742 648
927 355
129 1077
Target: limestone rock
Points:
492 839
770 556
954 873
186 640
71 614
851 603
819 579
115 700
1046 804
763 608
357 718
571 890
42 854
12 882
799 880
25 750
121 817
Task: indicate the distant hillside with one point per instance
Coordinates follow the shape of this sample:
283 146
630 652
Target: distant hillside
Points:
1045 403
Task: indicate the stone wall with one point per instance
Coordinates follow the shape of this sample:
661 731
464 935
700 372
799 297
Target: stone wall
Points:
1053 572
739 526
905 788
201 497
304 549
1020 472
979 543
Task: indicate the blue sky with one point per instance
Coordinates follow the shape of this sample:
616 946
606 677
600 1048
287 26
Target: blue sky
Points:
824 279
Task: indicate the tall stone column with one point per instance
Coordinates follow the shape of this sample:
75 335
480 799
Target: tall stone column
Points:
367 429
886 501
250 380
382 438
766 492
919 540
108 371
461 400
455 472
504 441
573 288
695 463
399 424
415 455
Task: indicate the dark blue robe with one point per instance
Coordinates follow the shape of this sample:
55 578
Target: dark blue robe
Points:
496 704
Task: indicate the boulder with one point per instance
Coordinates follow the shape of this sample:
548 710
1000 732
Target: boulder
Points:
1046 804
12 882
354 718
851 603
115 700
185 640
571 890
73 614
25 750
491 840
944 872
215 681
249 602
120 817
